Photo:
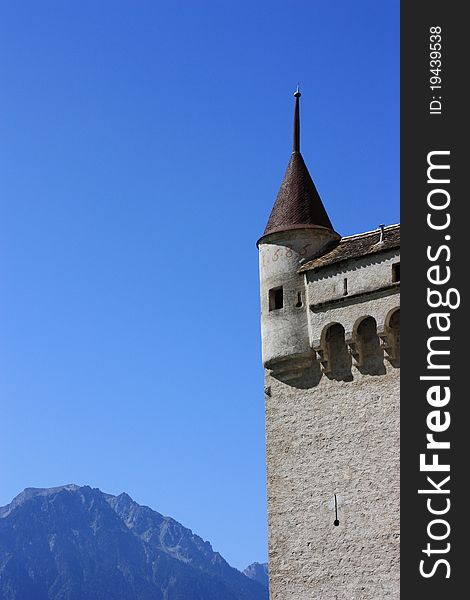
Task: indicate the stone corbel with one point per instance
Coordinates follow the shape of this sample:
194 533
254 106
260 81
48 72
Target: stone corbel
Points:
386 344
353 350
322 357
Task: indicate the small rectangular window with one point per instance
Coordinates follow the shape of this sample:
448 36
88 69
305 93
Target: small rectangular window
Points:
345 286
396 272
276 298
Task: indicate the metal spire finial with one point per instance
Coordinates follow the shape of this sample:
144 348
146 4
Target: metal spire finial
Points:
296 144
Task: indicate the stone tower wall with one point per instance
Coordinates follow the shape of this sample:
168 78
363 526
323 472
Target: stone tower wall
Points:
334 429
335 438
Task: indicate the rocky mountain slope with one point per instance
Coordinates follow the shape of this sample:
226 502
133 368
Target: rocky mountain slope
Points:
77 543
258 572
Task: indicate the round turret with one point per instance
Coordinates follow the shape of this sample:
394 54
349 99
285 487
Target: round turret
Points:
298 229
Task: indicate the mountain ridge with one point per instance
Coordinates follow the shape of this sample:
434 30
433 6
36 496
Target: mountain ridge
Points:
72 542
258 572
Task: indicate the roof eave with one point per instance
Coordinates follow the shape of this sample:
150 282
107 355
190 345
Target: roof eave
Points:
305 268
296 227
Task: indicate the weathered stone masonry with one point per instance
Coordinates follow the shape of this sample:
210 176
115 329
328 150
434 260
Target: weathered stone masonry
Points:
331 352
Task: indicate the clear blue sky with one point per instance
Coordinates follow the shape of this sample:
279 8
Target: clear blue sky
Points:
142 146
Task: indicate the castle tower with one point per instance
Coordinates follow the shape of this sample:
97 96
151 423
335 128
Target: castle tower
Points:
297 229
330 350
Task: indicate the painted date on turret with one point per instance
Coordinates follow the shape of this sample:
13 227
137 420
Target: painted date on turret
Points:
287 252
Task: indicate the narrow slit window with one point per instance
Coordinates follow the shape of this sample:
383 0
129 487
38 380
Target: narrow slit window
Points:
396 272
299 302
276 298
345 286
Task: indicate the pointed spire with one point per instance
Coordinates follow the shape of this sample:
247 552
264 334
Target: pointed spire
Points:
296 144
298 204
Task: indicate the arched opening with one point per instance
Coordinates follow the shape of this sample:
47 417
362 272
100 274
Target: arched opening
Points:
392 330
371 356
339 359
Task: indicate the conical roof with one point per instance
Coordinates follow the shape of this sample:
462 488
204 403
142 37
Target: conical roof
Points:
298 204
